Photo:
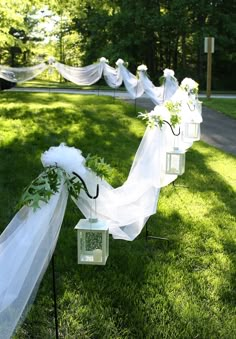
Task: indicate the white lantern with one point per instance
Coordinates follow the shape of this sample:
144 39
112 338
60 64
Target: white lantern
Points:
92 242
192 131
175 161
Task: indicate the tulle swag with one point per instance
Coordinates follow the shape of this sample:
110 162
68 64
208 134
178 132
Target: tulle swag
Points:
142 68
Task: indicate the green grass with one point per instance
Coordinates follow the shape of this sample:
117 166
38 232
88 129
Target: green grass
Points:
39 83
181 288
226 106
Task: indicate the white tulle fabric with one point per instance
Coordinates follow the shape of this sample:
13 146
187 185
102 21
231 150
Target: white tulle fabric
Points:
21 74
136 86
26 247
82 76
112 76
132 84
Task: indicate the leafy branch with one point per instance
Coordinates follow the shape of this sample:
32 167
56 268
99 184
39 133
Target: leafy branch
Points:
49 181
46 184
157 117
98 165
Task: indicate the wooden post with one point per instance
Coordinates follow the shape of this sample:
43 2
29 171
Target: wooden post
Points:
209 66
209 46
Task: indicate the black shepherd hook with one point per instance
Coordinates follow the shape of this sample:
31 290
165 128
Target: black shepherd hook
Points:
172 128
85 187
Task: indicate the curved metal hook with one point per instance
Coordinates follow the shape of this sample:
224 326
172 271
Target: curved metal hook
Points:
85 187
172 128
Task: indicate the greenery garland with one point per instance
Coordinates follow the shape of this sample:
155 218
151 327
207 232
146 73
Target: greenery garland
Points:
48 182
157 116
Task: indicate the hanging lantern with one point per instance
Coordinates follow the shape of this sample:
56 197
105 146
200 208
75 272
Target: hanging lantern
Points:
92 242
175 161
192 131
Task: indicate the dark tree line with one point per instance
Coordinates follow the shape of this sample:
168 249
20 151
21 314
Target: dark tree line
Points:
159 33
162 34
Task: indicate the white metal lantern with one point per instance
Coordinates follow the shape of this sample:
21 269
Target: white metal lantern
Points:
192 131
175 161
92 241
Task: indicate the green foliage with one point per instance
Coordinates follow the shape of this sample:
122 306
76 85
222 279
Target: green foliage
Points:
41 188
46 184
153 120
174 109
156 117
98 165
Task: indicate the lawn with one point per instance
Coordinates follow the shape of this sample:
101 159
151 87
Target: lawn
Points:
181 288
226 106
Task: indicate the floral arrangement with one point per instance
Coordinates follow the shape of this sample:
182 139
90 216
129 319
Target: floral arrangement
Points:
49 181
168 112
142 68
119 62
167 73
51 60
102 59
190 86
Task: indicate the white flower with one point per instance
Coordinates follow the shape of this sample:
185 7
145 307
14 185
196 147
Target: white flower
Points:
68 158
162 111
189 84
142 68
51 60
168 72
102 59
119 62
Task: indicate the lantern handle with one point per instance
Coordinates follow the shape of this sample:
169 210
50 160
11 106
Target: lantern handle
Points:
85 187
172 128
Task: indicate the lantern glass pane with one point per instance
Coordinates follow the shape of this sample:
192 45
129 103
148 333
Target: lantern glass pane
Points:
175 163
93 242
199 106
192 130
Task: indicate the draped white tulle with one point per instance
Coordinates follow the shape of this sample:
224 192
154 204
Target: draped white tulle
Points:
26 247
21 74
82 76
136 86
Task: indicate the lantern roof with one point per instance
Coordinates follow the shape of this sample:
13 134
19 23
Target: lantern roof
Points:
86 224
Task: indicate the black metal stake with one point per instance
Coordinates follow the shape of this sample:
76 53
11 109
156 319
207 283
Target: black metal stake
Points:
54 297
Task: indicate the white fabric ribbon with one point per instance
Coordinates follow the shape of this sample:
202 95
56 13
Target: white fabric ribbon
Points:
21 74
26 247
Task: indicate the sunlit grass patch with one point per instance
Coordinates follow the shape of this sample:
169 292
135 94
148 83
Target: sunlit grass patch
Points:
226 106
